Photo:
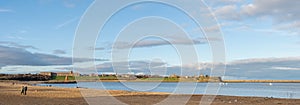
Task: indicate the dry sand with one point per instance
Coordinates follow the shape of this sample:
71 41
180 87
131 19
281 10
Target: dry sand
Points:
36 95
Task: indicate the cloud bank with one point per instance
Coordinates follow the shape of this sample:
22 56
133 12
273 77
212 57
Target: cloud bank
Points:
283 13
263 68
11 56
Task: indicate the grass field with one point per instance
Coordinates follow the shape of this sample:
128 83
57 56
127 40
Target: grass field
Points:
161 79
113 78
108 78
63 78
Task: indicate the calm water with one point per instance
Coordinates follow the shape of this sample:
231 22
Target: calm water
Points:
277 90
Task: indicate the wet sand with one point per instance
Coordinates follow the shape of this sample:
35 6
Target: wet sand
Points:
36 95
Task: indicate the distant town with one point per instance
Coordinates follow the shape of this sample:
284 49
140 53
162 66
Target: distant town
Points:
73 77
70 76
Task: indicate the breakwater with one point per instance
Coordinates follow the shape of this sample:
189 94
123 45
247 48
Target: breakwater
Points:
261 81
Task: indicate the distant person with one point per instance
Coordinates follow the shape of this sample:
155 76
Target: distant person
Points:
25 90
22 90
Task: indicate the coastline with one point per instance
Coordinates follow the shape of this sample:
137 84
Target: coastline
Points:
223 81
10 92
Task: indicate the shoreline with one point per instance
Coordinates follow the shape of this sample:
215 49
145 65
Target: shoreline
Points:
224 81
9 93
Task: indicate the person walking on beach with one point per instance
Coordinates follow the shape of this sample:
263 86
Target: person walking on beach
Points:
22 90
25 90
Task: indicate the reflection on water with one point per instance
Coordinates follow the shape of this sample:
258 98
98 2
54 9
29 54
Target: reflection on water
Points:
276 90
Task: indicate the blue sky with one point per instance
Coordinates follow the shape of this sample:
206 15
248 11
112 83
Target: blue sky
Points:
37 35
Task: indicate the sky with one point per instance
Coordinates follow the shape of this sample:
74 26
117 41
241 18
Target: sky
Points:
261 38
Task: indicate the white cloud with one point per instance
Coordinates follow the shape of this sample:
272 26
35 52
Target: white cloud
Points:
175 40
5 10
65 3
223 2
215 28
137 7
34 69
281 10
16 45
59 52
228 12
263 60
69 4
132 66
153 43
66 23
23 31
284 14
249 9
230 1
285 68
292 28
15 37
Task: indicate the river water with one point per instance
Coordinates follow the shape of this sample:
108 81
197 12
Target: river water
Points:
276 90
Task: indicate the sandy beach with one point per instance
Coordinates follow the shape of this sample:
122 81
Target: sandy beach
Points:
37 95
